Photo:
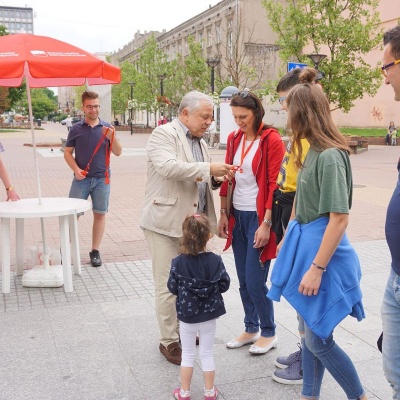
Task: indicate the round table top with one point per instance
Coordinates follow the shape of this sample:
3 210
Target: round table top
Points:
48 207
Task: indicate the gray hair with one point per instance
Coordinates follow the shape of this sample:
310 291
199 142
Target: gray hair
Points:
192 101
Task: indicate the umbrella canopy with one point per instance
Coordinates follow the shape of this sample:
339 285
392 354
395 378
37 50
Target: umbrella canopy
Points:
48 62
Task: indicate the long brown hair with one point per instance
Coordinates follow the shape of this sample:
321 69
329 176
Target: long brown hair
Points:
310 118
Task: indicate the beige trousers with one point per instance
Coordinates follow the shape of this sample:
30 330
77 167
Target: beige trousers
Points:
163 249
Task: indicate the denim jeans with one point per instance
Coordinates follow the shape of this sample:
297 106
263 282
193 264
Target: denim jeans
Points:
98 190
391 333
252 275
318 354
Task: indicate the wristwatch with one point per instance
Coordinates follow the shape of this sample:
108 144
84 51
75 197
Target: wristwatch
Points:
10 188
267 221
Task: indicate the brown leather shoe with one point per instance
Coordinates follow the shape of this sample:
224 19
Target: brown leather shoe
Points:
173 353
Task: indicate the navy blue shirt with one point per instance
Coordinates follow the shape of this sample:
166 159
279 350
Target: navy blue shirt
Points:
392 228
84 139
198 282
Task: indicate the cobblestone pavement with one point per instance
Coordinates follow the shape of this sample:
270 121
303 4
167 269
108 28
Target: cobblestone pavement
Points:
100 341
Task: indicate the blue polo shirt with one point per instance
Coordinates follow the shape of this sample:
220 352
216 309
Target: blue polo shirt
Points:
84 139
392 230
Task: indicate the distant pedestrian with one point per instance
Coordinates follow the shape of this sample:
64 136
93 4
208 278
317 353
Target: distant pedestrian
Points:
88 151
391 134
197 279
391 302
68 123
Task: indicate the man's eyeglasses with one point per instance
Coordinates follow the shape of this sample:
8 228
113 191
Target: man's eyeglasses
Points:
384 68
90 107
282 99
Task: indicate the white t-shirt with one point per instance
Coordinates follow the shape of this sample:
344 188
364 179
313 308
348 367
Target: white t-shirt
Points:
246 189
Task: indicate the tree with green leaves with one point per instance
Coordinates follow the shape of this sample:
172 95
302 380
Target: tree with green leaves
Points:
347 28
121 94
152 63
44 102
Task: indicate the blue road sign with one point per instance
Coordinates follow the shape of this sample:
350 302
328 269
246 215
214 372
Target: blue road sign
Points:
293 65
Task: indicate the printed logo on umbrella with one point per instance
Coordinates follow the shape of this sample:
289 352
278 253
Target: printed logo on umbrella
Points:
39 53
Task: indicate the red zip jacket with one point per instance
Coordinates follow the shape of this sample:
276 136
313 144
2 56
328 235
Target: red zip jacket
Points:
266 164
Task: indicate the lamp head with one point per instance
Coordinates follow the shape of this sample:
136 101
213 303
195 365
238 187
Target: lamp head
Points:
316 58
213 62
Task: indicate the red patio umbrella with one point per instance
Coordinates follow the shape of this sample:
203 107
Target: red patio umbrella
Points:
48 62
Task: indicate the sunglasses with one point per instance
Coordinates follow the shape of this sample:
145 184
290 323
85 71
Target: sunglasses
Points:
244 94
282 99
384 68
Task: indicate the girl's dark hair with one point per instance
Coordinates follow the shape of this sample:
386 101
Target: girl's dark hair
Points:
250 101
292 78
309 117
196 232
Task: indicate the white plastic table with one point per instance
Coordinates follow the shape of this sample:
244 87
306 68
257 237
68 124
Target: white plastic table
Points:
66 209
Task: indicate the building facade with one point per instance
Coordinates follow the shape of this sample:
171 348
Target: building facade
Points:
234 32
16 19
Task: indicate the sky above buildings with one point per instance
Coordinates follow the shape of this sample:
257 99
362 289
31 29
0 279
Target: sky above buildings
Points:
99 26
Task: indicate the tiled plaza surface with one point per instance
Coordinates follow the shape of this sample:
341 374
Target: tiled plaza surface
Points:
101 341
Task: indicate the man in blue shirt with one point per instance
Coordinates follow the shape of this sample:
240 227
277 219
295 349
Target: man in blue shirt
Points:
391 300
93 140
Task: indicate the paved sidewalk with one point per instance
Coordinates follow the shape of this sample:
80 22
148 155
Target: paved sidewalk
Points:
101 340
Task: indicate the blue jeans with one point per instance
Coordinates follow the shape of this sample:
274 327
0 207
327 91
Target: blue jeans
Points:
391 333
98 190
318 354
252 275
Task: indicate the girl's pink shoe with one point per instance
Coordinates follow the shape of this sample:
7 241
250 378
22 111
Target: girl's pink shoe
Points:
209 396
177 395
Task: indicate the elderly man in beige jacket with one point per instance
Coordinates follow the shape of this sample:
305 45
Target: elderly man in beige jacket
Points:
180 177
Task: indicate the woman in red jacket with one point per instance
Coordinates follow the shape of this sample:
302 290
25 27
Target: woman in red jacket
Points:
256 150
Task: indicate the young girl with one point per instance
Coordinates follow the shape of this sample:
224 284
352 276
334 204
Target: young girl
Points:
317 269
197 278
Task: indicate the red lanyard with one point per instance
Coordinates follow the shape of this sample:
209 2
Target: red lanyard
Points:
244 153
108 154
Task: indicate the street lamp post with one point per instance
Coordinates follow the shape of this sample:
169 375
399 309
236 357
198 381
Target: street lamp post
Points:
162 77
316 59
131 84
212 62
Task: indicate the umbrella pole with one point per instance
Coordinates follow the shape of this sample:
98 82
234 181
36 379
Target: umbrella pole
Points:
28 92
45 252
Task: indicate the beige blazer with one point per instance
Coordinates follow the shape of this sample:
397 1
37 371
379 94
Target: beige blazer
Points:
172 176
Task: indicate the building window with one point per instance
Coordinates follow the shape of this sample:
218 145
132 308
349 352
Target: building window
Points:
230 45
229 23
218 32
209 37
201 39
